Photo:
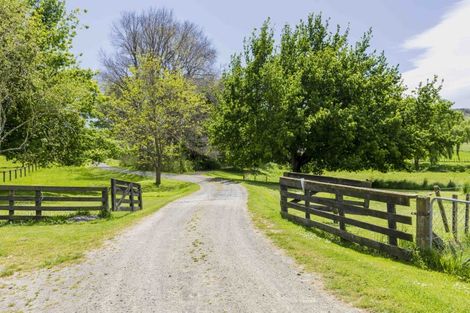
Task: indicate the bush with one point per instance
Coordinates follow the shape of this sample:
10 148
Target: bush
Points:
410 185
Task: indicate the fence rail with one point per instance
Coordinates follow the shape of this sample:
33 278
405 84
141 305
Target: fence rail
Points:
324 205
332 180
32 198
9 175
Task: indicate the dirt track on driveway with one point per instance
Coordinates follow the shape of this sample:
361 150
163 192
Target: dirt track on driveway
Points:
200 253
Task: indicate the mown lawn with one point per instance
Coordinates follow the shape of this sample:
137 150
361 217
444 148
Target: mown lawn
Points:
30 246
7 164
365 279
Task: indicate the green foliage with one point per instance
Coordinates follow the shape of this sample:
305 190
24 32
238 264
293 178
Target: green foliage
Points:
46 100
411 185
155 112
314 101
317 102
433 128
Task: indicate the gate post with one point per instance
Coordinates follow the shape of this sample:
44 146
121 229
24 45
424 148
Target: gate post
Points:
113 194
104 201
423 223
131 196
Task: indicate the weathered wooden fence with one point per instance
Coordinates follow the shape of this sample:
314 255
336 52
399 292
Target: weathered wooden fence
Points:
126 196
334 205
14 173
39 199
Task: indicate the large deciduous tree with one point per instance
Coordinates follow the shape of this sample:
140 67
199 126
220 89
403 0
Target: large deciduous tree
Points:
47 101
433 128
19 58
155 111
315 101
179 45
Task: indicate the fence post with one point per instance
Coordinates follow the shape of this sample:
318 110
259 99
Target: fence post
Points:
37 204
467 211
339 199
391 223
105 200
141 203
113 194
11 204
437 191
283 201
9 171
423 223
131 196
307 203
3 176
454 216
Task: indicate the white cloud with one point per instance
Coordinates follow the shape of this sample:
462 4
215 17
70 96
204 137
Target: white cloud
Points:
446 53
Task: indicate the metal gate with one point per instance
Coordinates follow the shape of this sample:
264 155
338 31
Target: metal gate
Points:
450 221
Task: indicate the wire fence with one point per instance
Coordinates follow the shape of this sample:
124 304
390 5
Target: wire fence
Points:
450 223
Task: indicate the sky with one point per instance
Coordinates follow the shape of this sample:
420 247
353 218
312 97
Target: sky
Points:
424 37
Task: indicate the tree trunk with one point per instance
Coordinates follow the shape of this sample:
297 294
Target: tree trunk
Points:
158 176
158 171
417 164
296 163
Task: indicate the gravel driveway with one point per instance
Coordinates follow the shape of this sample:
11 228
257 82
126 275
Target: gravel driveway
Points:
200 253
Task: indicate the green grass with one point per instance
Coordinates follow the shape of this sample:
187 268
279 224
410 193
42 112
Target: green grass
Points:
367 280
463 157
29 246
7 164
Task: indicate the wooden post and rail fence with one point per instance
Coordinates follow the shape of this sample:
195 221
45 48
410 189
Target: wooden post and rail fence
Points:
355 212
29 202
39 199
15 173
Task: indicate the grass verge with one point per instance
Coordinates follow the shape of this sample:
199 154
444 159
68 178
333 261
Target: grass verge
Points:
366 280
30 246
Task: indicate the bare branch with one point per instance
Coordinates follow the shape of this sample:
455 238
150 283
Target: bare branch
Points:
179 45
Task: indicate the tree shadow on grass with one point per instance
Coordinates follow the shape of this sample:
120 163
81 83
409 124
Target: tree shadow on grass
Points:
57 220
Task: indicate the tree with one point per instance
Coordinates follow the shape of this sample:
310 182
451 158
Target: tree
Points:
18 62
431 123
179 45
314 101
155 111
46 100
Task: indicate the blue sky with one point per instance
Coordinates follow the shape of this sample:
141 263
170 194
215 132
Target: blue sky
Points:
424 37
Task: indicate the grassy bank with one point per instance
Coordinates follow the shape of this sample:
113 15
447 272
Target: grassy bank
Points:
365 279
36 245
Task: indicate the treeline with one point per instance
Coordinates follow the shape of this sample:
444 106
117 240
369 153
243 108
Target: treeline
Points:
314 100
